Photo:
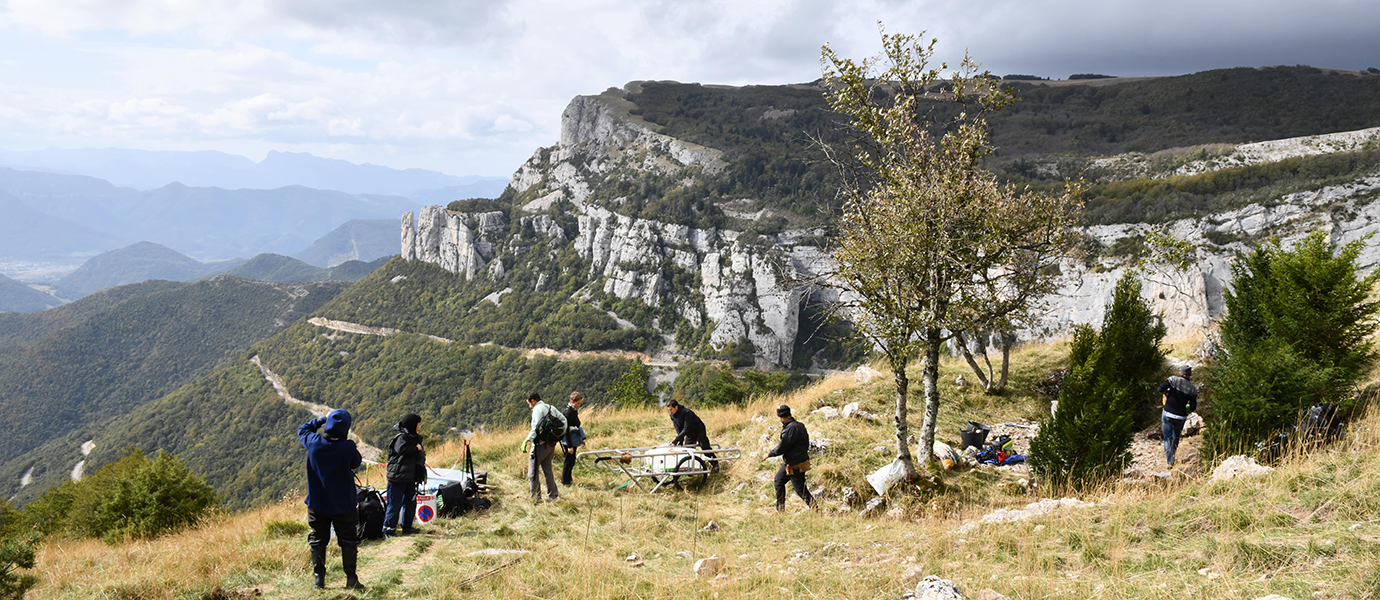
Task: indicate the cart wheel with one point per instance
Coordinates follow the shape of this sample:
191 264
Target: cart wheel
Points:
691 482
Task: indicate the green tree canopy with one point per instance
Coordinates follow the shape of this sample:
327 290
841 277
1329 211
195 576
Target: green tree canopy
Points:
929 243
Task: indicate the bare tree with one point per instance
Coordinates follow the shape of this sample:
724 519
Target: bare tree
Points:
929 243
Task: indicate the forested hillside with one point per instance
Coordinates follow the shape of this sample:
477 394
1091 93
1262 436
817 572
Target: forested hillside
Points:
422 298
74 380
17 297
276 268
16 327
768 133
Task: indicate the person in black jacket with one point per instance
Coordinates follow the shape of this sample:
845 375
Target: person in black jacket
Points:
794 451
574 436
689 427
332 458
1180 399
406 470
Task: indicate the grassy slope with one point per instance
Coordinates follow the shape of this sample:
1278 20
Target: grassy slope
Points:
1290 533
1310 527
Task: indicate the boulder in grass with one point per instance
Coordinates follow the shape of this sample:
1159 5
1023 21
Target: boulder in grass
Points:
708 567
934 588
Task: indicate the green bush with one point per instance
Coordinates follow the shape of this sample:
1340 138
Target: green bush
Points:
1296 334
16 553
134 497
276 529
1110 374
630 391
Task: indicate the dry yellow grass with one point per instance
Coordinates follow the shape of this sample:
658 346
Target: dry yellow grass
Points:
1311 529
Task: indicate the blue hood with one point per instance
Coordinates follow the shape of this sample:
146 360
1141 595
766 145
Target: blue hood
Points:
338 424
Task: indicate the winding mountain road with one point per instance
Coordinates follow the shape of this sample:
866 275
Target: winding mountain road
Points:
370 453
560 355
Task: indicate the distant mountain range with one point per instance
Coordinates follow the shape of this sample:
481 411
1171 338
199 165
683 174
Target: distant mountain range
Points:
144 169
360 239
64 216
60 206
146 261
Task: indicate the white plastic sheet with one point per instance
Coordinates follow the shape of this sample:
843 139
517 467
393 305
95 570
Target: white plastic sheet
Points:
885 477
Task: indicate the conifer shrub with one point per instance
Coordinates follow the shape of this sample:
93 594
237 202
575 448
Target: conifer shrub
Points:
1110 374
16 553
1295 335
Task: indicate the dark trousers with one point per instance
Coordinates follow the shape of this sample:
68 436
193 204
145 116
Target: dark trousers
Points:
797 481
569 466
346 534
346 528
402 498
702 440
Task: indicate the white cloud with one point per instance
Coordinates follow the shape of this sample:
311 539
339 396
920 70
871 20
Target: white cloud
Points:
474 86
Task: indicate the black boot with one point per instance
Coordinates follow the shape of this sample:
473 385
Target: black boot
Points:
318 566
349 556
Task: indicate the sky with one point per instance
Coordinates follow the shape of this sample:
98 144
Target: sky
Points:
474 87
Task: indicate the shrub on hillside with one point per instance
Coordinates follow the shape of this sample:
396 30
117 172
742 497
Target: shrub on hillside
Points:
134 497
16 553
1296 334
631 391
1110 373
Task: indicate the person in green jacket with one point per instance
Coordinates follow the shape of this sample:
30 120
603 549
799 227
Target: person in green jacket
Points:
543 449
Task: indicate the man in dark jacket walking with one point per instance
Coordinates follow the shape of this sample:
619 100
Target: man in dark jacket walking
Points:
406 470
1180 399
689 427
331 461
794 451
574 436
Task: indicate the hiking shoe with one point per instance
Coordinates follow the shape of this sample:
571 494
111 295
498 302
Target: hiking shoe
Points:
352 583
320 582
410 531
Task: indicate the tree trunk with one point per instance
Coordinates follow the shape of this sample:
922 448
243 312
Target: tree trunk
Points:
930 376
1008 339
898 371
962 344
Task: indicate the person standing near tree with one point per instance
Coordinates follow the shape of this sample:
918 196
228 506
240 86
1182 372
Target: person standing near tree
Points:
794 451
331 461
574 437
548 427
406 471
1180 399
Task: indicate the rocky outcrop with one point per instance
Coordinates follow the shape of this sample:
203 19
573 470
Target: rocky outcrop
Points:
741 288
457 242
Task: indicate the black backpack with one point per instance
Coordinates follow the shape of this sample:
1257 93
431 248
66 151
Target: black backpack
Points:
550 429
370 513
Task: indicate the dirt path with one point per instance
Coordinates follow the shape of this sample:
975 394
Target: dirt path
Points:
370 453
560 355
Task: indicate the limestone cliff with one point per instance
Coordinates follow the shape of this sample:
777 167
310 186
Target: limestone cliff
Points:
733 285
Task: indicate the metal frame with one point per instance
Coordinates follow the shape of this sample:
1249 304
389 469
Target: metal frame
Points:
663 464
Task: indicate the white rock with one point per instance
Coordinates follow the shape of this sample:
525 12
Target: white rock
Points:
828 412
1193 424
934 588
1239 466
865 374
849 410
708 567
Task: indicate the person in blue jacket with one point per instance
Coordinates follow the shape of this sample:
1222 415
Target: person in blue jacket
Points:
331 460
